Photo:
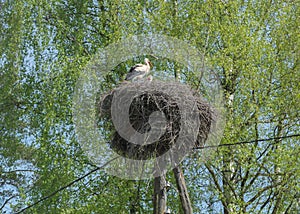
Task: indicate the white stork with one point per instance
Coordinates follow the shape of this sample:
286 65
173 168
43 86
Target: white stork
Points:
138 71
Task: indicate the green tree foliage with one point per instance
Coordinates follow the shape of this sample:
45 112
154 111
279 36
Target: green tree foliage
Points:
252 46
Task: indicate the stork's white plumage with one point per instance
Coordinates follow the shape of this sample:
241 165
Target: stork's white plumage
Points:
138 71
150 78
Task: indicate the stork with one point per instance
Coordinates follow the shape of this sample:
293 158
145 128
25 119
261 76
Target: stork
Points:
138 71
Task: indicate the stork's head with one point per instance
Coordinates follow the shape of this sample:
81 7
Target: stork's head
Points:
147 62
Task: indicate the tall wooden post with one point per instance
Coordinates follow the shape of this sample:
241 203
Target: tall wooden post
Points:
160 195
183 193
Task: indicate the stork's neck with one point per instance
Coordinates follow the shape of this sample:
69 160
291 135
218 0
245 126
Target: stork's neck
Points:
147 64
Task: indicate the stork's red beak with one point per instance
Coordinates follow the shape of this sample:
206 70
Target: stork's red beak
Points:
150 64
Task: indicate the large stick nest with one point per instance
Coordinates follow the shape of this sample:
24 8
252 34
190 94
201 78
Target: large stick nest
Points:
168 98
